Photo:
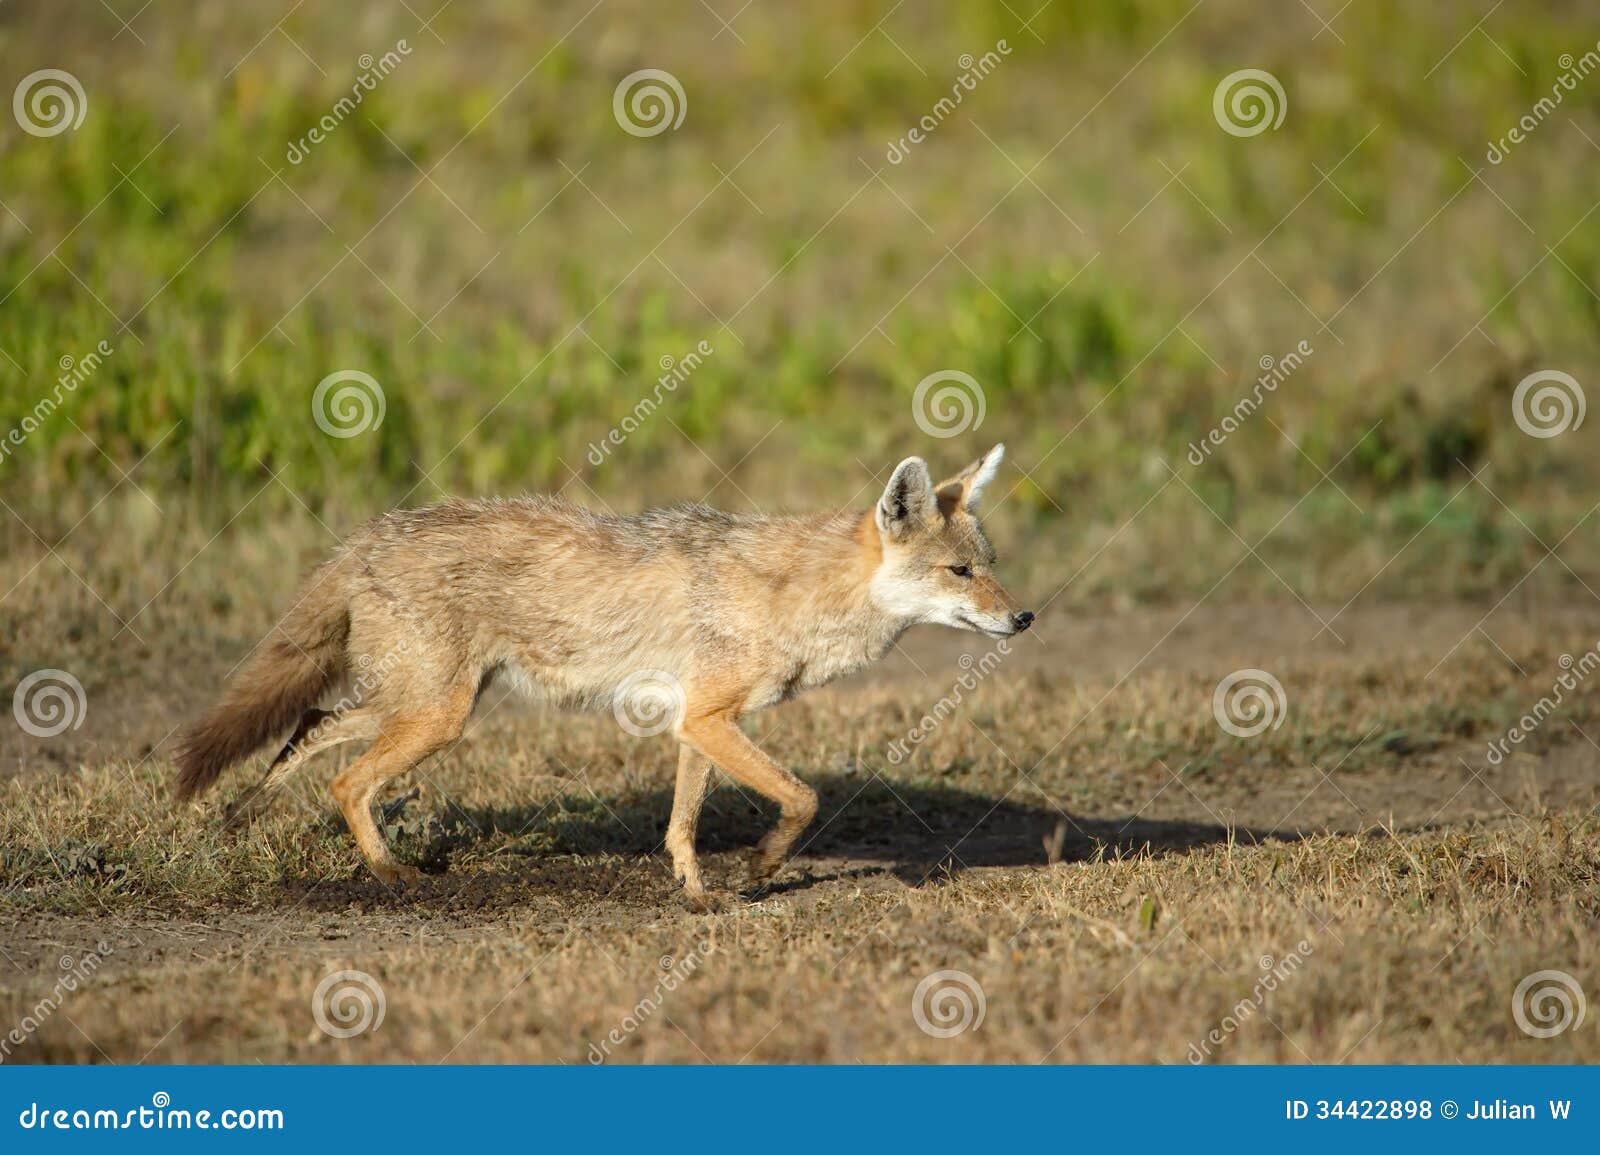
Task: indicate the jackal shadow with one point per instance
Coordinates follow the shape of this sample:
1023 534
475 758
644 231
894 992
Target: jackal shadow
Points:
919 831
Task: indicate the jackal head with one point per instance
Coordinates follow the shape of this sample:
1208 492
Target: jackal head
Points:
938 567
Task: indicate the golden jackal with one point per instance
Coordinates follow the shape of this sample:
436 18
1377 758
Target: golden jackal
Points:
714 614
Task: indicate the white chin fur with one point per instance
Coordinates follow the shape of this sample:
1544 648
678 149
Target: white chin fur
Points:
973 624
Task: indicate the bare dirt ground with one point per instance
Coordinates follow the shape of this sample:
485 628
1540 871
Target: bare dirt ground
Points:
1113 875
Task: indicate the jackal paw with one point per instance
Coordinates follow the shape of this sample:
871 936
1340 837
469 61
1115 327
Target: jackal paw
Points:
239 813
398 874
709 901
763 868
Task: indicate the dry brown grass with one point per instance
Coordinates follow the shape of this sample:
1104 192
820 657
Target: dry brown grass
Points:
1422 941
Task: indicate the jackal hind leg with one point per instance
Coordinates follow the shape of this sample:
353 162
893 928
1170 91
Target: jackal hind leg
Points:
407 736
318 730
719 738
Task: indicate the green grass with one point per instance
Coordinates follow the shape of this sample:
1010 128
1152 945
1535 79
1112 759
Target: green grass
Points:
1106 336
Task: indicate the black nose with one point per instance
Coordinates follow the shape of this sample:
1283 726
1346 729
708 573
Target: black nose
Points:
1023 620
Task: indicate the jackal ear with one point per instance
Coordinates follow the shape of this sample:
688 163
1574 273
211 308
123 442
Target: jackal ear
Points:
908 501
965 489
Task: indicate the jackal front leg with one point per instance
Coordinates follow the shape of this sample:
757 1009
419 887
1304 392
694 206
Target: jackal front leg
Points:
694 781
719 738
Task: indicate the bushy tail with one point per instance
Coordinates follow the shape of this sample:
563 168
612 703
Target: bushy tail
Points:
284 677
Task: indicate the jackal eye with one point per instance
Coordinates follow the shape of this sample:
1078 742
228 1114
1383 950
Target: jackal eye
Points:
962 571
